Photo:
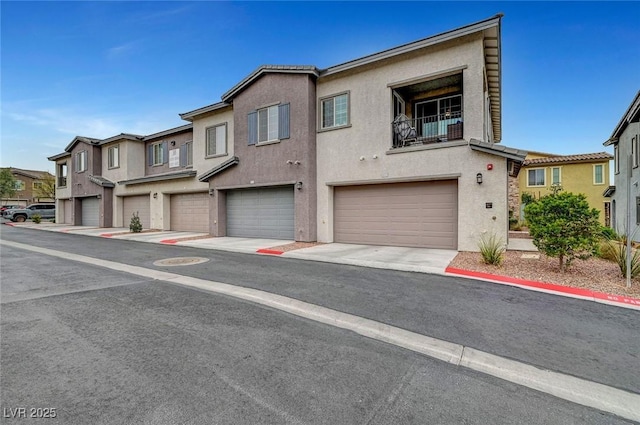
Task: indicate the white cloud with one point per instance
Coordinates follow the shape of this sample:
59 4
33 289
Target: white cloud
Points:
121 50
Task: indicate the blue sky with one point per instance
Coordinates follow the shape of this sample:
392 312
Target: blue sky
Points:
97 69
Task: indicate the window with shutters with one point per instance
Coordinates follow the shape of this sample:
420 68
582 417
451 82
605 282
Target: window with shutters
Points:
114 156
270 124
216 140
334 111
81 161
158 154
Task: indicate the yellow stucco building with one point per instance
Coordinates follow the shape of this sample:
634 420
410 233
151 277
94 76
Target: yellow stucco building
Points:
583 173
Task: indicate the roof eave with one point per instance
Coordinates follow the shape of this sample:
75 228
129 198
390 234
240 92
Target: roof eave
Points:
631 112
169 132
189 116
268 69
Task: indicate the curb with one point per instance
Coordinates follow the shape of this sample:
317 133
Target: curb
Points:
550 288
269 251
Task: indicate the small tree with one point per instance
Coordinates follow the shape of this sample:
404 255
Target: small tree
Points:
47 187
135 226
563 225
7 184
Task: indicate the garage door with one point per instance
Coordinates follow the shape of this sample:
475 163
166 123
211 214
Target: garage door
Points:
139 204
190 212
420 214
90 212
67 209
261 213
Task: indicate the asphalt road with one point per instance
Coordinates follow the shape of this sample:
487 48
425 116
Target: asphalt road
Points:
105 347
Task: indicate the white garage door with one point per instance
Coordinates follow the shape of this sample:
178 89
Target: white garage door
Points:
417 214
137 204
261 213
190 212
90 212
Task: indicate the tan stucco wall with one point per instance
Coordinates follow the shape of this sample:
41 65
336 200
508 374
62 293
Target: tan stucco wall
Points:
132 157
369 136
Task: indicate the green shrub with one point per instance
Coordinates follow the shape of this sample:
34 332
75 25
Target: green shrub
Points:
609 234
491 249
135 226
37 218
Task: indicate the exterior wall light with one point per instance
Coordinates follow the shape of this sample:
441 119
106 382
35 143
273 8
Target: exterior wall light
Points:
479 178
299 185
155 195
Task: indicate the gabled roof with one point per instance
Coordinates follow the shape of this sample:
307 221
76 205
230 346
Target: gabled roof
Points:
234 160
122 136
81 139
33 174
631 115
266 69
59 156
189 116
559 159
169 132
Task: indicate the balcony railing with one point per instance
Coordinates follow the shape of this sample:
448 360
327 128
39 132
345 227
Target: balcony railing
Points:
424 130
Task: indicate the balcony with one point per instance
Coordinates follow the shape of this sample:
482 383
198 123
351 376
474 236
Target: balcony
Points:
429 129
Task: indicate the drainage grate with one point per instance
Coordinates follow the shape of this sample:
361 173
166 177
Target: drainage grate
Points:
180 261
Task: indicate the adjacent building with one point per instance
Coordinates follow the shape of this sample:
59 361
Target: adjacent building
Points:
30 186
625 194
396 148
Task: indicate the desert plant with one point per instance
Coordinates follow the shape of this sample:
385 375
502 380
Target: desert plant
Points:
563 225
616 251
491 249
609 234
135 226
37 218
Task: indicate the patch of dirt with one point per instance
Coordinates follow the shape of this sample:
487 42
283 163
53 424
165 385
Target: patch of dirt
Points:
295 245
595 273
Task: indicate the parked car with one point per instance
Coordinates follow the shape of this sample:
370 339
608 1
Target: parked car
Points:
46 211
9 207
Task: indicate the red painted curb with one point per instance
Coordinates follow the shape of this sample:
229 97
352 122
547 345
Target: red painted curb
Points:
269 251
169 241
551 287
107 235
10 224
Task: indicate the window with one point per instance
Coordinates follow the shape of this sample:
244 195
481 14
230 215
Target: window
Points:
158 154
37 185
536 177
114 156
18 185
62 175
217 140
335 111
635 154
186 154
555 175
598 174
268 124
81 161
616 159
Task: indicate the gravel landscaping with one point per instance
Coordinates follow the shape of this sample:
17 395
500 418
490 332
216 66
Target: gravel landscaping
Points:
595 273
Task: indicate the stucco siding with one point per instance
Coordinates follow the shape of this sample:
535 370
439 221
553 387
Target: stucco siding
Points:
622 182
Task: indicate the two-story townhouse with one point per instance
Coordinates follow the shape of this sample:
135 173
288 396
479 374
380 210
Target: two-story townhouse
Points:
263 184
581 173
28 187
625 194
406 144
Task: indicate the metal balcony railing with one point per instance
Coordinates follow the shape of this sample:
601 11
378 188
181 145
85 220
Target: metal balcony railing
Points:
431 129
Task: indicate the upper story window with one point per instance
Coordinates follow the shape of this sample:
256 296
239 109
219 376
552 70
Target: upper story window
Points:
19 185
555 176
62 175
334 111
37 185
536 177
216 140
635 152
268 124
158 154
186 154
113 154
616 159
81 161
598 174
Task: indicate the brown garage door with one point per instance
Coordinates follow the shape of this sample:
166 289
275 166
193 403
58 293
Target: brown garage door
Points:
139 204
417 214
190 212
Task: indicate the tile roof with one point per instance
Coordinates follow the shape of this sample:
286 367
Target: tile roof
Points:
585 157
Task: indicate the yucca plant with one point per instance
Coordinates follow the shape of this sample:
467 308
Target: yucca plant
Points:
617 252
492 249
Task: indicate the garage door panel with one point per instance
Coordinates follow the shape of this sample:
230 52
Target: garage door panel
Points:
90 212
421 214
265 213
139 204
190 212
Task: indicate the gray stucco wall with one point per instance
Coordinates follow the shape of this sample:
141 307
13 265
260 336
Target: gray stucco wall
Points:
179 139
622 182
266 164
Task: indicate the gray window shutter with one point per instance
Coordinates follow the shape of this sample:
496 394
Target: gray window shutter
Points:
283 121
150 155
252 127
183 155
165 152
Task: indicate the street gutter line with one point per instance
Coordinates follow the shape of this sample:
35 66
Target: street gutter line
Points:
587 393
